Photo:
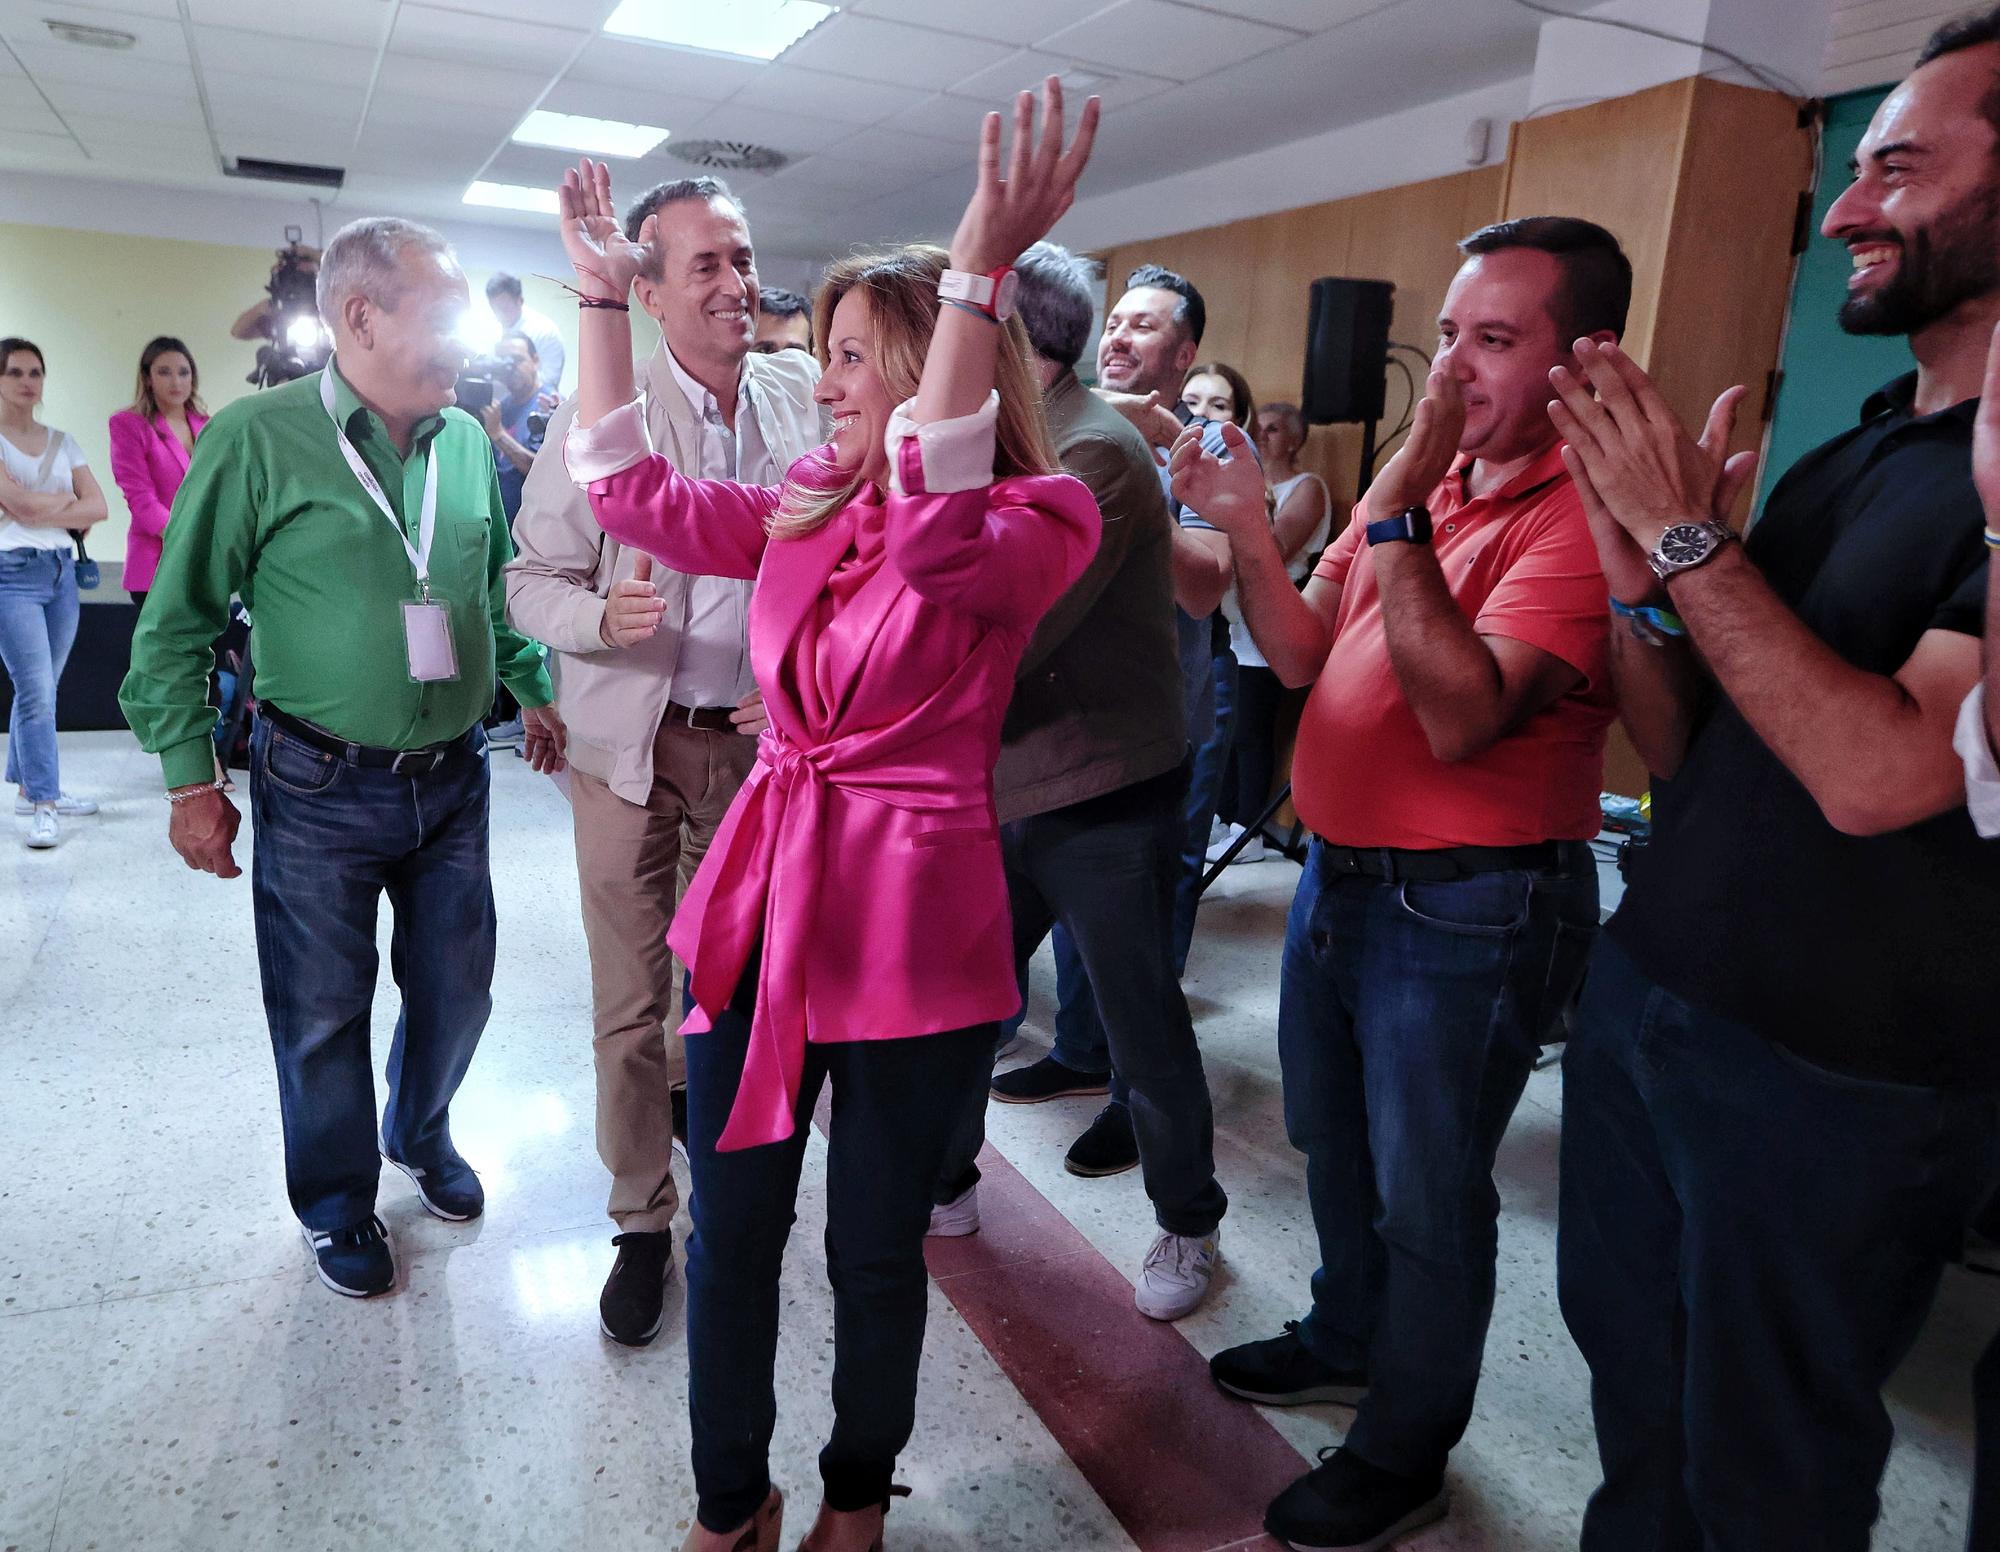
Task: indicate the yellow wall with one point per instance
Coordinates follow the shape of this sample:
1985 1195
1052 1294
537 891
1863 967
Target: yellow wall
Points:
91 300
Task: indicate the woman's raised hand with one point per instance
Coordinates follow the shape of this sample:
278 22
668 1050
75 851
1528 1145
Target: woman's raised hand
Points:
1008 215
606 259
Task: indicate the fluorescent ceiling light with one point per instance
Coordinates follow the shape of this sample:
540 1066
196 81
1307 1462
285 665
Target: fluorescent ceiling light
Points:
751 29
512 196
601 137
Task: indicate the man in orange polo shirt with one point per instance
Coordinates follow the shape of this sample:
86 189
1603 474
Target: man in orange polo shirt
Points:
1448 765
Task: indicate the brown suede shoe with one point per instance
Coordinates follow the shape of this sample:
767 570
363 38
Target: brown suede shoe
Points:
759 1533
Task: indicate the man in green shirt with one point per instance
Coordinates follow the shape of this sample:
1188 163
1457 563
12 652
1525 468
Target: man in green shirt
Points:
357 515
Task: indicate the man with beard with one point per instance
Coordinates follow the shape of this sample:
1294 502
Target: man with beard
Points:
1781 1090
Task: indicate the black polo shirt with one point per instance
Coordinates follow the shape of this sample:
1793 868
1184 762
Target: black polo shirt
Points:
1876 957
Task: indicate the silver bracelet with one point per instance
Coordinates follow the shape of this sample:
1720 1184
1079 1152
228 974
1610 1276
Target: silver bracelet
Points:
184 795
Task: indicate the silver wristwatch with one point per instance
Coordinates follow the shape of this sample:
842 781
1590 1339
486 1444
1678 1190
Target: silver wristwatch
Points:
1686 546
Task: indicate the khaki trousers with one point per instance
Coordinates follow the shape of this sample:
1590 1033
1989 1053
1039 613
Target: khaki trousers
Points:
634 862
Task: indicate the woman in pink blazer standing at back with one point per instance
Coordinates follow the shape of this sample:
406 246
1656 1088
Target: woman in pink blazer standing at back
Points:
150 447
850 921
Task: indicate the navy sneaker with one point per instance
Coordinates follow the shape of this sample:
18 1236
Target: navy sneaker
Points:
356 1260
449 1190
1346 1505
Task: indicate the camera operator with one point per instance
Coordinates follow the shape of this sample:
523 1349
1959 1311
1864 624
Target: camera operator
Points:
260 322
288 300
513 423
503 296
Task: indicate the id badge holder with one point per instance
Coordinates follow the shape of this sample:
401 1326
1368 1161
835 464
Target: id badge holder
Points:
427 641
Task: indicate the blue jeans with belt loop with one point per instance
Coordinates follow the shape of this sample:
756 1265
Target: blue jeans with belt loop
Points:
38 615
331 840
1409 1017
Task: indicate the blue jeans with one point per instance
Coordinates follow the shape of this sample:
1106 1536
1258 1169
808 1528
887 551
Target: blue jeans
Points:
38 609
1105 868
1409 1017
1747 1247
894 1102
1211 764
331 839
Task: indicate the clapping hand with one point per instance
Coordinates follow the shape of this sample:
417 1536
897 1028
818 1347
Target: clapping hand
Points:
1008 215
606 259
1427 453
1228 492
1633 460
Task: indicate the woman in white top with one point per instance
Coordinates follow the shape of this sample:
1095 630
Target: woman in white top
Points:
45 491
1302 521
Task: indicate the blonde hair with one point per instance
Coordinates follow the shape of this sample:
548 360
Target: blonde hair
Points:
900 287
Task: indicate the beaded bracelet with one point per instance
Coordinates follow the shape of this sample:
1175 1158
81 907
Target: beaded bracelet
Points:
182 796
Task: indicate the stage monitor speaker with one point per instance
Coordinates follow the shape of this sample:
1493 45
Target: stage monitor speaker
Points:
1347 350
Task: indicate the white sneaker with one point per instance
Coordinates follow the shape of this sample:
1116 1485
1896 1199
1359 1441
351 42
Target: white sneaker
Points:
1175 1276
1253 850
1220 829
44 832
65 804
956 1218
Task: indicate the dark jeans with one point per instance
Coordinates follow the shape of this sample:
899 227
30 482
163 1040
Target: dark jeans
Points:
894 1102
1748 1246
331 839
1105 868
1253 743
1409 1017
1211 760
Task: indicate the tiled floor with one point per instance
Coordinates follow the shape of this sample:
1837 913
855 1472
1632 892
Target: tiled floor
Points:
173 1377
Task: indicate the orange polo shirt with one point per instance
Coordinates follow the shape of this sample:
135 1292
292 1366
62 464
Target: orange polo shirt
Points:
1520 562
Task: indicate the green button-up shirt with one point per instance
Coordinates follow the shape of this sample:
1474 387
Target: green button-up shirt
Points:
270 510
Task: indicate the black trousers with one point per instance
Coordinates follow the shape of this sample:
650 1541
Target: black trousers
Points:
894 1103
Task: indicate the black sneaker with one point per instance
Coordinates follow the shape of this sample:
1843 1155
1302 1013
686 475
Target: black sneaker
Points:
1280 1372
677 1100
1346 1505
449 1189
356 1260
1107 1147
633 1303
1046 1079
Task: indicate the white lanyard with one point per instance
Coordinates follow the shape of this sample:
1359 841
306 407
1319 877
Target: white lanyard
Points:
420 552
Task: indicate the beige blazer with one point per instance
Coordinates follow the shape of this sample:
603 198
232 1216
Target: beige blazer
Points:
612 699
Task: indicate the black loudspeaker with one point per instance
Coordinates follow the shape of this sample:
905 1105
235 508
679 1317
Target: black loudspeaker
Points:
1347 350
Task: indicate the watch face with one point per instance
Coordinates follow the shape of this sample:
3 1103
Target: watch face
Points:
1685 543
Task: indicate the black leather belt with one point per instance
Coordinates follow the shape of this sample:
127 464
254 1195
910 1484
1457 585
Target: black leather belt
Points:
404 762
703 719
1390 864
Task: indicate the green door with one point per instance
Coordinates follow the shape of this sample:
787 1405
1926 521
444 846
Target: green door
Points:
1827 373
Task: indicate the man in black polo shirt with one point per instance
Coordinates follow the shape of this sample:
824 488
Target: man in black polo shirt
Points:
1782 1092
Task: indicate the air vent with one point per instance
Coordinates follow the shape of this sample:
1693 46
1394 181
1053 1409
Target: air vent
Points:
727 155
88 36
286 172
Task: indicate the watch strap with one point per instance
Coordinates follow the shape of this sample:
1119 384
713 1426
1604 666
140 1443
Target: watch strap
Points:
1412 525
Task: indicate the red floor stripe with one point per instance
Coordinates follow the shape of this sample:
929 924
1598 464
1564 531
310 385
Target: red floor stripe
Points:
1182 1466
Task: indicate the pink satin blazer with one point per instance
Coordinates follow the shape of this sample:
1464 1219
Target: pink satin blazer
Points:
148 463
863 850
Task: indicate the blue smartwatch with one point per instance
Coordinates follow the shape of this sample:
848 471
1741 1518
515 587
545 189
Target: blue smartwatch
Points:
1412 525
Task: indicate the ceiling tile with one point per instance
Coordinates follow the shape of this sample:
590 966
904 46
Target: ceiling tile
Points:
280 61
794 89
49 63
910 156
1303 15
145 107
667 71
19 147
889 51
154 37
627 104
1017 21
541 167
996 85
355 23
1173 41
440 154
587 15
107 135
508 91
944 117
23 113
246 101
430 33
157 10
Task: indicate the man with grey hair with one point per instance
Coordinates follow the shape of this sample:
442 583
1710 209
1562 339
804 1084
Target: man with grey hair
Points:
357 513
1093 769
657 694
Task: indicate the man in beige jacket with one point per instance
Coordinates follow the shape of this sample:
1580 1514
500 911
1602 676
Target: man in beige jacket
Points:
655 690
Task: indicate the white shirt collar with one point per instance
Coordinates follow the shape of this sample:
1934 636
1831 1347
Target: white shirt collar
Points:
700 400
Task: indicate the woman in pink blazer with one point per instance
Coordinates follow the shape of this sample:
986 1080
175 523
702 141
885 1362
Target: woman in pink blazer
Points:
150 447
850 921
